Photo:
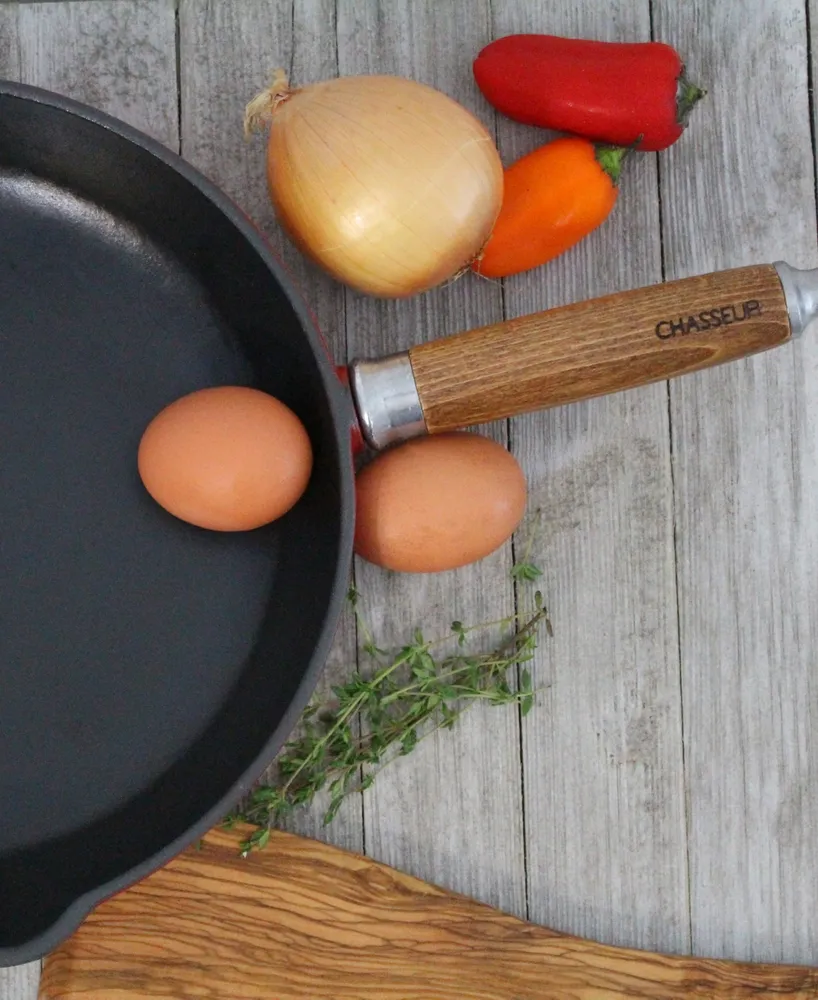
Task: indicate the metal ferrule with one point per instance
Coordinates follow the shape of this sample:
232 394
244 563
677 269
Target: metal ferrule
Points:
801 294
386 398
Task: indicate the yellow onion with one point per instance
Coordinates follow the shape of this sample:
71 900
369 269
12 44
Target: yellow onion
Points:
388 184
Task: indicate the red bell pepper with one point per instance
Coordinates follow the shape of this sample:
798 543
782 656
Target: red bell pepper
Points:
624 93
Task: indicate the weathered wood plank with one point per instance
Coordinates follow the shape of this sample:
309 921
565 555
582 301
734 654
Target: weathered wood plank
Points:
739 189
9 43
228 53
451 812
605 828
20 983
117 56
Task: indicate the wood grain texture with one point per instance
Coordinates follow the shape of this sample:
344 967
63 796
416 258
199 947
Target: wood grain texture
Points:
739 188
604 800
228 52
117 55
451 812
304 921
20 983
588 349
9 44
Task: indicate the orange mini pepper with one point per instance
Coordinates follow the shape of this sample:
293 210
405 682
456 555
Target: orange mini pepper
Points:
552 198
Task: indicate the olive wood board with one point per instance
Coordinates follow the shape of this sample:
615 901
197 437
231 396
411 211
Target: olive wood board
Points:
300 920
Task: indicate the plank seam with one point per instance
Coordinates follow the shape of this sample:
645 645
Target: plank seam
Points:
676 582
20 73
356 632
515 585
178 56
811 96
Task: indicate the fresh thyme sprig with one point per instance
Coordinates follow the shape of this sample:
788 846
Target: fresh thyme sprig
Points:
524 570
409 694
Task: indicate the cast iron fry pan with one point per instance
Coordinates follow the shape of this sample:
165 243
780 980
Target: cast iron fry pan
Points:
149 670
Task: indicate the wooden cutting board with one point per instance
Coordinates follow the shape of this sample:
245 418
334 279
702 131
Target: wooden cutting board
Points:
303 921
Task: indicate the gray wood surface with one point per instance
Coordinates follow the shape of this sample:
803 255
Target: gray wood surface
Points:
120 57
602 756
20 983
9 48
664 791
745 447
451 812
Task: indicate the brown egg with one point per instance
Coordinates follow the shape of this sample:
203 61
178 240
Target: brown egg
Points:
437 503
228 458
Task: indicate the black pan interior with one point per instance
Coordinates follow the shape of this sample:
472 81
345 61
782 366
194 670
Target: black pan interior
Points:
148 669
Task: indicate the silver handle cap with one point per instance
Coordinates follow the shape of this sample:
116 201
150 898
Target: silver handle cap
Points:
386 399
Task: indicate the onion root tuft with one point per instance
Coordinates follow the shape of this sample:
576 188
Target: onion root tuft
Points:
259 112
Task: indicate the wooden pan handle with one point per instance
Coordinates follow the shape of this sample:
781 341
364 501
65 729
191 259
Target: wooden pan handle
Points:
598 347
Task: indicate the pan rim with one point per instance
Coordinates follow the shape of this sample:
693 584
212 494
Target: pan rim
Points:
342 415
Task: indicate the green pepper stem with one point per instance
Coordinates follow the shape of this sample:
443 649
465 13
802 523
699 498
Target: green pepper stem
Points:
611 159
688 96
